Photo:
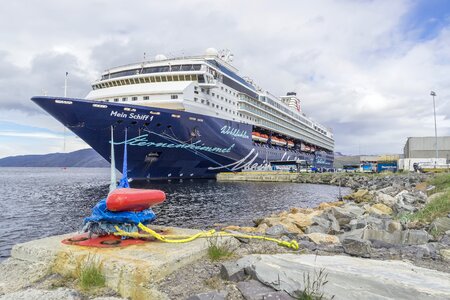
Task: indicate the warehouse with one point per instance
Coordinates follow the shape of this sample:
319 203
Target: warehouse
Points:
425 147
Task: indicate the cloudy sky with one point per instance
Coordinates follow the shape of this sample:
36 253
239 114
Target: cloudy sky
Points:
364 68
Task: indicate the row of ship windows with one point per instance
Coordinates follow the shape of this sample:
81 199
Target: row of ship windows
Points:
266 115
149 79
206 102
273 121
217 95
229 91
135 98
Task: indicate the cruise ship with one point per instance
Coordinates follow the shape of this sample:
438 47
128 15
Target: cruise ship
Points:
191 117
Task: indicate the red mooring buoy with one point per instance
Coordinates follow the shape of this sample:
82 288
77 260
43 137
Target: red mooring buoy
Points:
127 199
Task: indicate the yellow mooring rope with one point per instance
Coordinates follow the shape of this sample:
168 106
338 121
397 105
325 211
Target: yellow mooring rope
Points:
185 239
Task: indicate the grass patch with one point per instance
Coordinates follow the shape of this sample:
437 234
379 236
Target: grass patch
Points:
438 207
314 285
217 249
441 182
90 275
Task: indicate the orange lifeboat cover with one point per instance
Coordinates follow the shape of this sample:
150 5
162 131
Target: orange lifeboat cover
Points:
128 199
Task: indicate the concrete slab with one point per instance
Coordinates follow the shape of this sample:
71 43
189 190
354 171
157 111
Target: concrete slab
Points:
132 271
349 277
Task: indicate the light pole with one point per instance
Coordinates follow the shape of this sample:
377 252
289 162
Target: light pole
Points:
433 94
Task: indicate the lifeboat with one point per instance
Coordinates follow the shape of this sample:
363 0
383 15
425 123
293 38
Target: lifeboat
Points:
278 141
290 144
127 199
255 136
264 138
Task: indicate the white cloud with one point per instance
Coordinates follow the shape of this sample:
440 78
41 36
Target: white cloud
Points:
353 63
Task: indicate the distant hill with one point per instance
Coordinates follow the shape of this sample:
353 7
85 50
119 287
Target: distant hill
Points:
85 158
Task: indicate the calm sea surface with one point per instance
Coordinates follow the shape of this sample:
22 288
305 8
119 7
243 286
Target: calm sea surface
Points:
39 202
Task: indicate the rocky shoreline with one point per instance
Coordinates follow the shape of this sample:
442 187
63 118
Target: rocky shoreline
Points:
372 225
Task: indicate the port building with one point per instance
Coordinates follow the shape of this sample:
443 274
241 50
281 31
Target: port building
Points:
425 147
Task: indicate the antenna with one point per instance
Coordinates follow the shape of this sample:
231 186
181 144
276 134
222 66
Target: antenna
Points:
65 84
144 56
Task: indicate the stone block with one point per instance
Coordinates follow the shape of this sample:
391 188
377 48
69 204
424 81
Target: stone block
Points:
321 238
357 247
441 224
232 271
380 209
352 277
254 290
214 295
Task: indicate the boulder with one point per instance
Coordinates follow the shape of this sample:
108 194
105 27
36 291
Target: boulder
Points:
362 195
445 254
277 230
302 220
394 226
380 209
321 238
213 295
357 247
254 290
441 224
416 237
406 237
385 199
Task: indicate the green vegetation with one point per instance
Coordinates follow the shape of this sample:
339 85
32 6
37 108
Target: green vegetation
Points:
313 286
218 249
438 207
441 182
90 275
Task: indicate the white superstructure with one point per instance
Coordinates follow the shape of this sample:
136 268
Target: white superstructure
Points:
209 85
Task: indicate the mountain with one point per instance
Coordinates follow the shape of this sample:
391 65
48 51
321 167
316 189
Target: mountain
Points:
85 158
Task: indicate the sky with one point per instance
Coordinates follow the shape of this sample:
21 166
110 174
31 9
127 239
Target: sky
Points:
364 68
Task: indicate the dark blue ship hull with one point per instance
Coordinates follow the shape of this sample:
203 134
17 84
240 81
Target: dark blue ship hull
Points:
164 143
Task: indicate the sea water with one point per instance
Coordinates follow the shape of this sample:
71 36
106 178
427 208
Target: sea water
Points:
39 202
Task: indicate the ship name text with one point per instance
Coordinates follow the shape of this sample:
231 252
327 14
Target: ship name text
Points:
134 116
234 132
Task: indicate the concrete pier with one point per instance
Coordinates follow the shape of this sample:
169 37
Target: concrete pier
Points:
132 271
268 176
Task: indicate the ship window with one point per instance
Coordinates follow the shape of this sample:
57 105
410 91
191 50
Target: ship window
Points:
124 99
221 97
173 96
213 94
203 101
201 79
195 99
147 79
207 102
203 90
163 78
158 78
134 98
116 99
146 97
195 92
152 79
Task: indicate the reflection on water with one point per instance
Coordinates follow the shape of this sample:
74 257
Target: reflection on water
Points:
39 202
